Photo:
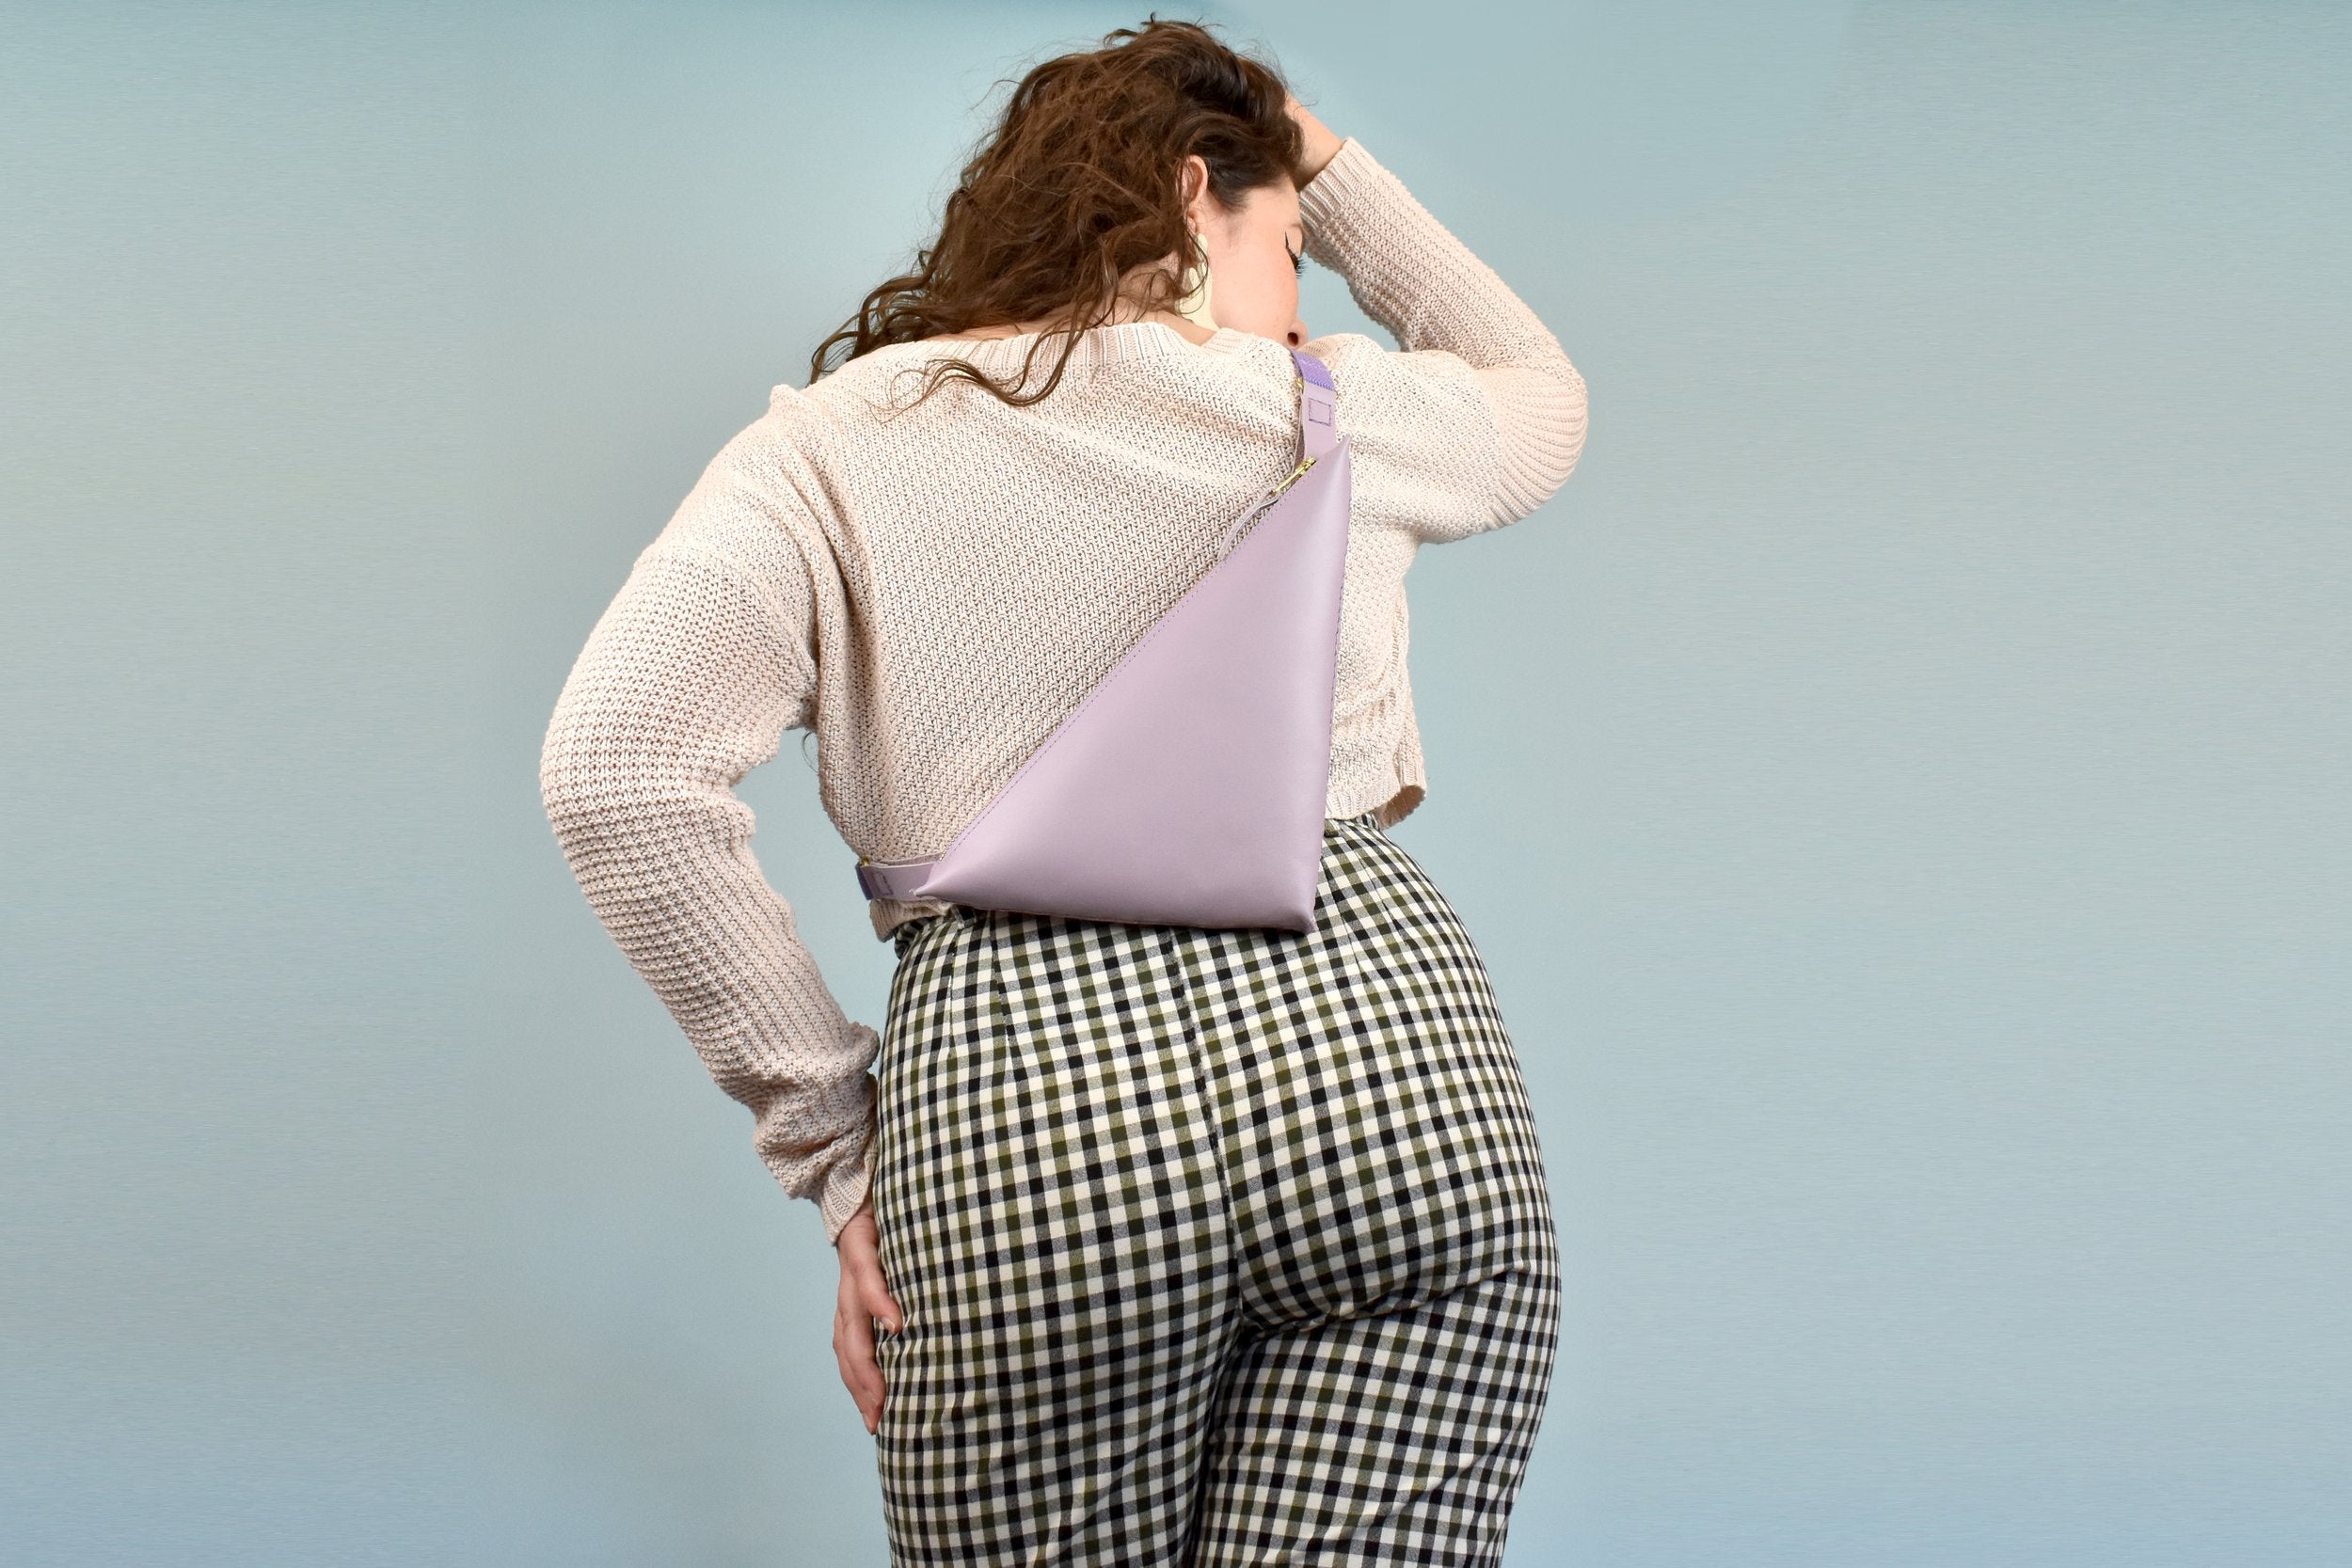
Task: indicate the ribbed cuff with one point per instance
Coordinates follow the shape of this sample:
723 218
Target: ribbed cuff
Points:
846 1180
888 915
847 1186
1345 181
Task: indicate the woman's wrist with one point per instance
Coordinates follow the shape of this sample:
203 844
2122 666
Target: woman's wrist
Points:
862 1217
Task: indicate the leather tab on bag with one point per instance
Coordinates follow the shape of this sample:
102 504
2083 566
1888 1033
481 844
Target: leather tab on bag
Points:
899 880
1318 406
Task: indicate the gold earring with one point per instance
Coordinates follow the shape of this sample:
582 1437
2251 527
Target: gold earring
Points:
1194 306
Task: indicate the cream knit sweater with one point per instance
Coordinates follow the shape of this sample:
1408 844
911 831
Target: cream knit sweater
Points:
932 592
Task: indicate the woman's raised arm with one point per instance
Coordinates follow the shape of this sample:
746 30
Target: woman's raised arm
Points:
1481 415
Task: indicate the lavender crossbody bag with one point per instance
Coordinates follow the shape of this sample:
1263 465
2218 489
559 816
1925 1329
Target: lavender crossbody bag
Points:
1188 787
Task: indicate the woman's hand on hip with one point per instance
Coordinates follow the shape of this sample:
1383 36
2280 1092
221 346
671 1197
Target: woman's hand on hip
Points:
865 1296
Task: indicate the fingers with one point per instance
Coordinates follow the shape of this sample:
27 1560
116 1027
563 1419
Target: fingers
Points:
1319 144
873 1295
853 1348
864 1297
862 1282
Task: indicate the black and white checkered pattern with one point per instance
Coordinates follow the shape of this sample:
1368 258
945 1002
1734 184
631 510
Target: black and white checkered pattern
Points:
1214 1247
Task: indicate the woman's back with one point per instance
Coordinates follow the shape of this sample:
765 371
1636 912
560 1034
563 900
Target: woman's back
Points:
932 590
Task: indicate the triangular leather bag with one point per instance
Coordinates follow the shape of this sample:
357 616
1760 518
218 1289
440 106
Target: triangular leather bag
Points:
1188 787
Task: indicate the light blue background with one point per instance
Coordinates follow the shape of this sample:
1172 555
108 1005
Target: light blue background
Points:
1900 783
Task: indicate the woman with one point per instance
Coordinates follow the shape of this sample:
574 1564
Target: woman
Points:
1185 1245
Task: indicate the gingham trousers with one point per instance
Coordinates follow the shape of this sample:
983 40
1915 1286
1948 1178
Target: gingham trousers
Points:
1212 1248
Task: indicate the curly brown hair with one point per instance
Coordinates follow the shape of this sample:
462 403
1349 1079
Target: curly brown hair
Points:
1075 186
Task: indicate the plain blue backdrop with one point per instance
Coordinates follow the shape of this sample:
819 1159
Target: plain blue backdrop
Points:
1898 784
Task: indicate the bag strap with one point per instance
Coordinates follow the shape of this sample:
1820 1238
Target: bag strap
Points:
1318 435
1318 405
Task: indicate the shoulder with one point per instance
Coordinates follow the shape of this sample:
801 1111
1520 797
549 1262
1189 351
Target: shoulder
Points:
1367 359
1345 351
762 505
861 391
1381 389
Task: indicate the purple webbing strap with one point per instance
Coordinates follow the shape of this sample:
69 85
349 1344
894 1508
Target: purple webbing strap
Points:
1318 434
892 882
1318 405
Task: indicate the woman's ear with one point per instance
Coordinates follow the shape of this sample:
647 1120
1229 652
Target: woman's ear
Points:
1192 186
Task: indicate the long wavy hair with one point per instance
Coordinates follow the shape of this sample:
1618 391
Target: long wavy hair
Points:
1077 186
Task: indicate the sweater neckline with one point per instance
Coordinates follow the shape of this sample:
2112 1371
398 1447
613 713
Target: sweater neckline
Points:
1097 345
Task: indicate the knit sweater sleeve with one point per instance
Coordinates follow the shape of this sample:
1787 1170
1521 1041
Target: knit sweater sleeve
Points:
688 681
1480 416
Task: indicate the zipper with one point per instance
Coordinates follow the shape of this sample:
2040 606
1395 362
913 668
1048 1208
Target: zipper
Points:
1232 536
1292 478
1248 519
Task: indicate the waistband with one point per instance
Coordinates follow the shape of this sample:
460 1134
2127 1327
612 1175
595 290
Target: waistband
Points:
903 934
